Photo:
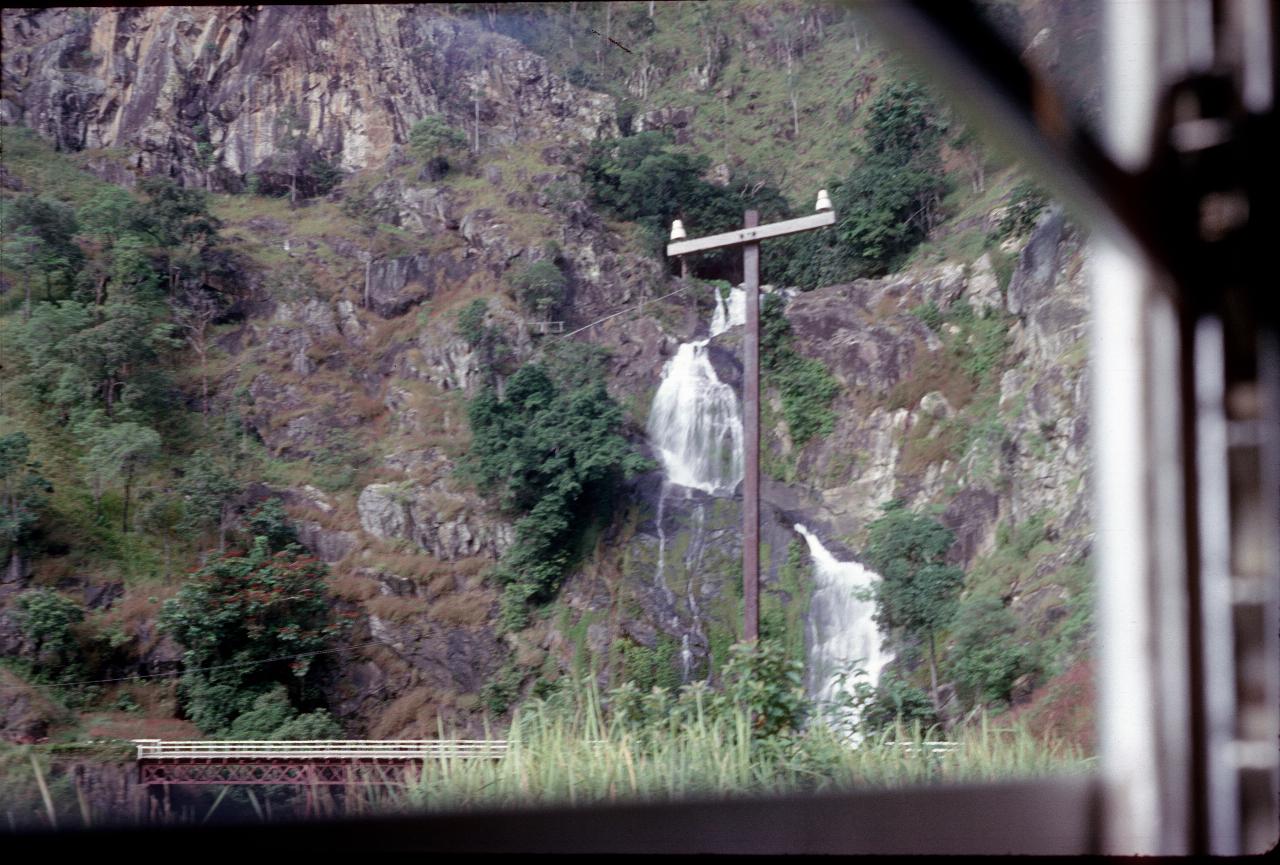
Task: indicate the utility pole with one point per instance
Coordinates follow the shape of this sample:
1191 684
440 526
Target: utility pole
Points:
749 238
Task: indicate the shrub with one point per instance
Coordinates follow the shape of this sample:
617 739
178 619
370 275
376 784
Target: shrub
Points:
1026 202
540 287
269 520
243 619
471 321
47 619
551 450
805 385
988 658
891 701
761 679
273 717
433 141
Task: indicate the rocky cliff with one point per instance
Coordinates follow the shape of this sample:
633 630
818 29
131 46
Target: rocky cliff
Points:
961 380
213 94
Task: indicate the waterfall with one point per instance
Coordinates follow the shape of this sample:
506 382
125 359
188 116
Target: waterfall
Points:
842 627
695 426
695 423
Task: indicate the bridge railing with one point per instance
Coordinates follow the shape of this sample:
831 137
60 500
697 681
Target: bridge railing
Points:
390 749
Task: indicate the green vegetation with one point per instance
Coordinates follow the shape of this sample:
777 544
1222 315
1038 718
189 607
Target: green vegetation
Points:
242 619
918 590
471 321
540 288
550 448
885 206
579 746
24 496
1026 202
805 385
644 179
433 142
988 657
48 620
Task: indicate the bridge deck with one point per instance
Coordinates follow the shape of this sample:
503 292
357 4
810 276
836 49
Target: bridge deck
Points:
320 749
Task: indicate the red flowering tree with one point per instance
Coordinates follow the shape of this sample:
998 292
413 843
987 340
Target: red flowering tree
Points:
243 620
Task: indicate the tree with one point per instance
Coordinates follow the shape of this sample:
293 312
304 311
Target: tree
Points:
206 490
174 216
890 201
550 448
641 178
23 498
194 311
886 205
243 620
917 591
433 141
540 287
119 452
989 657
47 619
40 233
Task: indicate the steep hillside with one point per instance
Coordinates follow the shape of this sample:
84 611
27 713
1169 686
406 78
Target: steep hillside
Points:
366 286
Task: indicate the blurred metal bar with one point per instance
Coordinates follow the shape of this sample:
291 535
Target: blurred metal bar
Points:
980 73
1045 817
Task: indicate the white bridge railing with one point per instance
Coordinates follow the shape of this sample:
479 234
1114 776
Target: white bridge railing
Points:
321 749
390 749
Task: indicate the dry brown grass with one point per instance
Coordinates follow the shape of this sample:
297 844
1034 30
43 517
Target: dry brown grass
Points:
935 370
396 609
352 587
139 607
367 406
463 608
412 714
928 442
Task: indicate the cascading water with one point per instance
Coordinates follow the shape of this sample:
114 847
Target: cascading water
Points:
696 427
842 627
695 423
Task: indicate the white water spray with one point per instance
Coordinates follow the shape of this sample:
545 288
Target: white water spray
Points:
695 423
842 627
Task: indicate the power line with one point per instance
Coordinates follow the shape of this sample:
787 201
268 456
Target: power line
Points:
625 310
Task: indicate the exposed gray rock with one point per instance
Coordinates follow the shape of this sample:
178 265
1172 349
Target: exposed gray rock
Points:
983 289
1033 278
396 284
355 79
327 545
439 521
100 596
935 405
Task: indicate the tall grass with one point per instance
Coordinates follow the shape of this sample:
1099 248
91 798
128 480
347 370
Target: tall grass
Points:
575 749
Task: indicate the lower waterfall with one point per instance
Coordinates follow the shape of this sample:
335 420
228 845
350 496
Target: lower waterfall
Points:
842 626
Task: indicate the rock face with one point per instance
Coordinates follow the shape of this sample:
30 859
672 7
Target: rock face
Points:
1033 460
434 518
210 94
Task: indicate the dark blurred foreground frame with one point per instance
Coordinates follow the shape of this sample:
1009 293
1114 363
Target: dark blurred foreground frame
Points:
1178 189
1186 397
1042 817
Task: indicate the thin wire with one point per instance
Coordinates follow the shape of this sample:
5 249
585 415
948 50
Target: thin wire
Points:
640 305
199 669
